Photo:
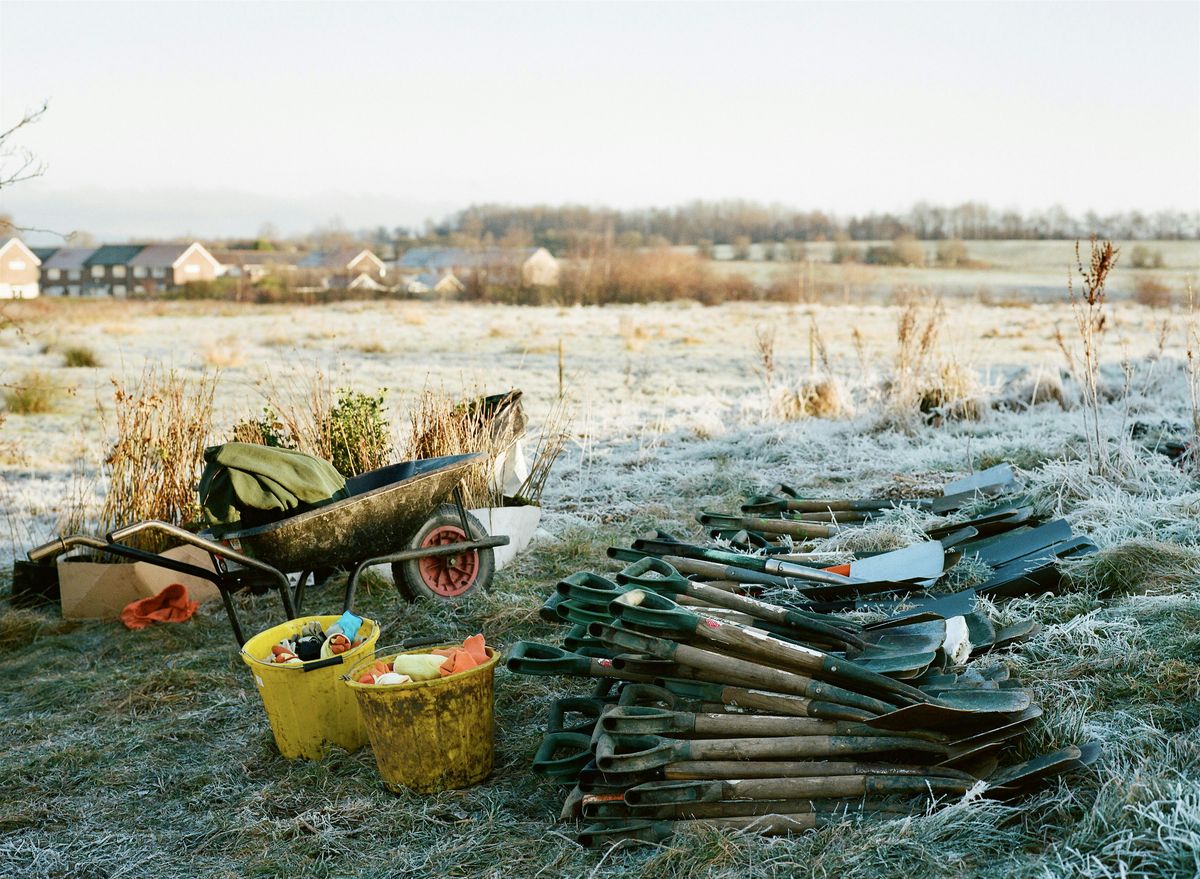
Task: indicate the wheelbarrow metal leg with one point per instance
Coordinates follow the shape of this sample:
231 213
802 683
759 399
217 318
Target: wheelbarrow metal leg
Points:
231 612
462 510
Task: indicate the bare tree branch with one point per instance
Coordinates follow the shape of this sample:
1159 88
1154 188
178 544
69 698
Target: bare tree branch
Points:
18 164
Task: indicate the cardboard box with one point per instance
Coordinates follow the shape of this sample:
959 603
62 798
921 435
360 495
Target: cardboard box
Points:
98 591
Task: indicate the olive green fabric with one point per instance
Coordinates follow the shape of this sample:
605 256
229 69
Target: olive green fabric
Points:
245 485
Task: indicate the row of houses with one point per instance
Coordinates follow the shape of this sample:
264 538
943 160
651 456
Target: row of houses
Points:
143 269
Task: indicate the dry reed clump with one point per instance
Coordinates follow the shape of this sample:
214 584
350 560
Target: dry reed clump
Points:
819 395
1034 387
925 386
813 398
223 354
440 426
552 441
162 425
952 392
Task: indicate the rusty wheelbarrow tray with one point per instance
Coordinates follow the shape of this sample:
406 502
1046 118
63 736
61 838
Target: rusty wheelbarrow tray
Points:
385 510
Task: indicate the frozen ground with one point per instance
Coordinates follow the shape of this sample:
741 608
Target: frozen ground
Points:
120 732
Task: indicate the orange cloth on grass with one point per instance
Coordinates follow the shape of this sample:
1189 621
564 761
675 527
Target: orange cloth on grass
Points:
171 605
472 653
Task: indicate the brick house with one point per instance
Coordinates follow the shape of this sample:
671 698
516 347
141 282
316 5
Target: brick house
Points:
254 265
106 271
18 270
63 270
529 266
348 262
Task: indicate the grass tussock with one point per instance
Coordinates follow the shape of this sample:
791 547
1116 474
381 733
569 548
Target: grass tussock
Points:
824 397
1142 566
20 628
223 354
80 357
34 393
162 423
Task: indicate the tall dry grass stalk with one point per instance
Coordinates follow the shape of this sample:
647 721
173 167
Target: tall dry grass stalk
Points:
764 346
1091 320
1192 346
162 425
297 405
552 441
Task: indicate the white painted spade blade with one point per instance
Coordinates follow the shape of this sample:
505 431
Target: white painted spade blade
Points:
984 480
925 560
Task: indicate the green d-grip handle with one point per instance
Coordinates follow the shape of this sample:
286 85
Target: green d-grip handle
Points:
548 611
587 707
589 589
629 720
764 505
532 658
562 754
653 611
654 574
635 753
582 614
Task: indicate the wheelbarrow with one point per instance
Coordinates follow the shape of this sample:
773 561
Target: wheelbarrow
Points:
394 515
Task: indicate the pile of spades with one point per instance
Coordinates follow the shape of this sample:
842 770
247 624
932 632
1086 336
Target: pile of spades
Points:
716 707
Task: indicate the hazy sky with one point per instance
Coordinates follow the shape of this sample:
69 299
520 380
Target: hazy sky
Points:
215 117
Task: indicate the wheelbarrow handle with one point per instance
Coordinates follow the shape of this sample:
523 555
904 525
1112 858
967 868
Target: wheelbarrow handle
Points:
58 546
122 534
216 549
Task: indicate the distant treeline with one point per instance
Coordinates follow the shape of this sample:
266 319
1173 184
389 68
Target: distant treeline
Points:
568 228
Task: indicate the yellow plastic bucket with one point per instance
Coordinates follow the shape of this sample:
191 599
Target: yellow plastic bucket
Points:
308 710
430 736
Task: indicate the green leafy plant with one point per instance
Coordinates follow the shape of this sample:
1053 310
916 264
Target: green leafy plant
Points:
357 433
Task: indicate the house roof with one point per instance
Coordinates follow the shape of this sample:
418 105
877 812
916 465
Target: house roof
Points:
434 258
159 256
113 255
333 259
255 257
44 253
68 258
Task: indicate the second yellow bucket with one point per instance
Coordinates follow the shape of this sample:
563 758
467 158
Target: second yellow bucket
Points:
308 710
430 736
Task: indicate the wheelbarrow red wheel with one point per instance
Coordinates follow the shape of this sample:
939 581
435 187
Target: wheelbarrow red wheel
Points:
445 577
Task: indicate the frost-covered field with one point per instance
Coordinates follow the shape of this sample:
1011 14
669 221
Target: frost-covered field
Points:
654 387
149 749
